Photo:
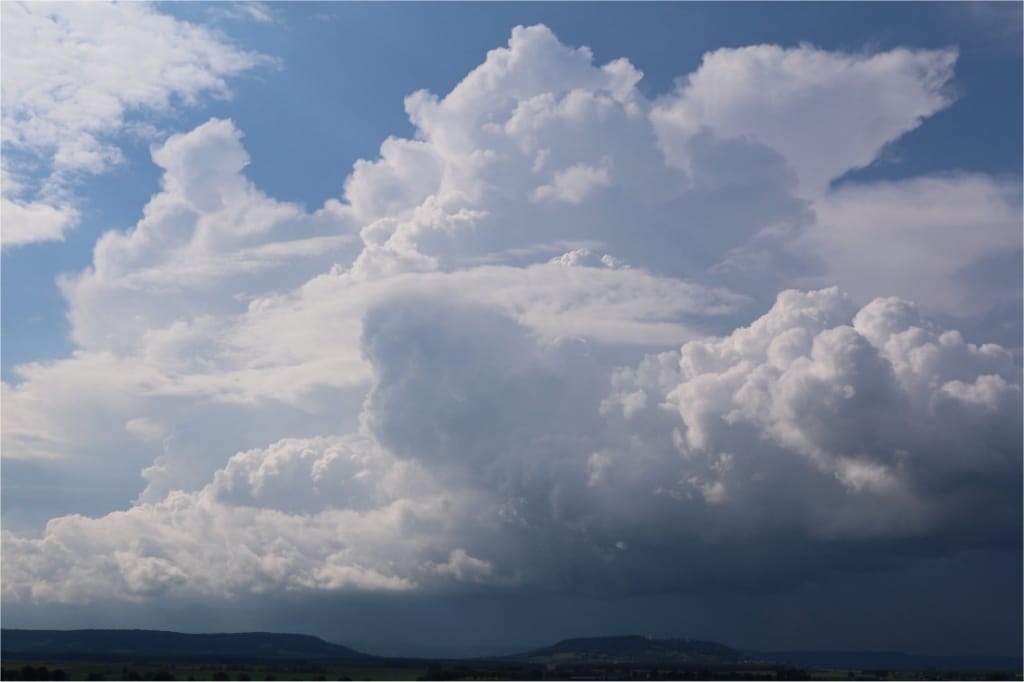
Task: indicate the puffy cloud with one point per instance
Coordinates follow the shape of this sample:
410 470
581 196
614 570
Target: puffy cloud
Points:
574 184
196 544
538 145
73 77
918 430
799 101
37 221
207 238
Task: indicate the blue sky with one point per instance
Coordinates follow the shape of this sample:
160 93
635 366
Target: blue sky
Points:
747 327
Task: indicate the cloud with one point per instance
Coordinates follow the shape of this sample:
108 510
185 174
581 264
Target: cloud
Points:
193 543
36 221
906 429
223 302
259 12
799 101
477 463
207 236
913 238
512 354
74 78
574 184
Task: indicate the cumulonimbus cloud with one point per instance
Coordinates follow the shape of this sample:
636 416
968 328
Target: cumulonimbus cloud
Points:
508 356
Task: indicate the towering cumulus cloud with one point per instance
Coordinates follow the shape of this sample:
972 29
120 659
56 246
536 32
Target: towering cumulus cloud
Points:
556 339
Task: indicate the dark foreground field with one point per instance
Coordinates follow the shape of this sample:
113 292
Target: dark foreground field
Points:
433 670
153 655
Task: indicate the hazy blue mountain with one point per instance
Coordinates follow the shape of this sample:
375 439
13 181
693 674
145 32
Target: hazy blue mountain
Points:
634 650
631 650
153 643
637 650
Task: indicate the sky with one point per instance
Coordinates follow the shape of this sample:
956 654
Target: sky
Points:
469 327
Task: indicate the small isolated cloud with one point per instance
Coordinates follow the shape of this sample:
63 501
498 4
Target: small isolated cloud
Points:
259 12
73 77
37 221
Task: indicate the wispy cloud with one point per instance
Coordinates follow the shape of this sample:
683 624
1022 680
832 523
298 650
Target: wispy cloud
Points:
260 12
73 77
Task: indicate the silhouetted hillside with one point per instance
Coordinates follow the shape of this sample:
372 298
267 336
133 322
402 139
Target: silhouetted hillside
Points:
686 653
157 643
634 650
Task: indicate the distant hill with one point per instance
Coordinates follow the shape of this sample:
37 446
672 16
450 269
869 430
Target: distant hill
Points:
629 651
687 653
891 660
36 644
633 650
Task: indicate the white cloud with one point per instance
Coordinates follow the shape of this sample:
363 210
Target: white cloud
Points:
914 238
802 101
24 223
73 77
336 514
574 184
195 544
209 235
895 410
259 12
